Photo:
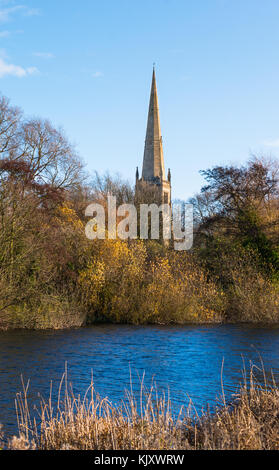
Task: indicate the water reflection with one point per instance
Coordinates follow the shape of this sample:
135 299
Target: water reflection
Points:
186 359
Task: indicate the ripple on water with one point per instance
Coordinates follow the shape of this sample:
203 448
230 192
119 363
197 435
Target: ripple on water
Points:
186 359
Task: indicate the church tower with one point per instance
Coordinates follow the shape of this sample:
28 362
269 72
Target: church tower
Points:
153 185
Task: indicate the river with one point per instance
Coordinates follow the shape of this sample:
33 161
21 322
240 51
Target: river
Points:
187 360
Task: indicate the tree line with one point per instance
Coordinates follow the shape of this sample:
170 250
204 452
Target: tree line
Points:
51 276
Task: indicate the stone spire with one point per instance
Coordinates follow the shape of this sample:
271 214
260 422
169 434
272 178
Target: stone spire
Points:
153 187
153 160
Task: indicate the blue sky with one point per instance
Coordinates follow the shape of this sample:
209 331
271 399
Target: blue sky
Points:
86 65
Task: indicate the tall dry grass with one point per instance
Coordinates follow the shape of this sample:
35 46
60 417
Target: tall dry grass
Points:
148 423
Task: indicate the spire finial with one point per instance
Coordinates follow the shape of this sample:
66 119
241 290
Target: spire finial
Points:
169 176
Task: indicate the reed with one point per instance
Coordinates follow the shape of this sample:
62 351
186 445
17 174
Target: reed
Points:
147 422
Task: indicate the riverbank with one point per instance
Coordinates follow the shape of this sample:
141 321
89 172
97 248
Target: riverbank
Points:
129 284
147 422
75 321
77 326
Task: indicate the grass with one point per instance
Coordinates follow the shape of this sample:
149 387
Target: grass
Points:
147 422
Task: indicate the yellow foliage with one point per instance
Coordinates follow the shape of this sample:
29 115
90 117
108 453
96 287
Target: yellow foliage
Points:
68 217
123 285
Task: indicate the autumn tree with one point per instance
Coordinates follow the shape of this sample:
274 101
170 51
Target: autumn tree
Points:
39 170
239 207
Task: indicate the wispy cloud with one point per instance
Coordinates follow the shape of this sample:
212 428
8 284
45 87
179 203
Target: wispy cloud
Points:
31 11
44 55
97 74
184 78
6 13
5 34
15 70
271 143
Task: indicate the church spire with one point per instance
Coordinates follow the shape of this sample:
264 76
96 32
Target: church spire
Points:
153 160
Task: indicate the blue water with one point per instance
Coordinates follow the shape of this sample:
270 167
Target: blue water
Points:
185 359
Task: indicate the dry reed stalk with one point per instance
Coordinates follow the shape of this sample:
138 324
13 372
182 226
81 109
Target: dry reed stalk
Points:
148 423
